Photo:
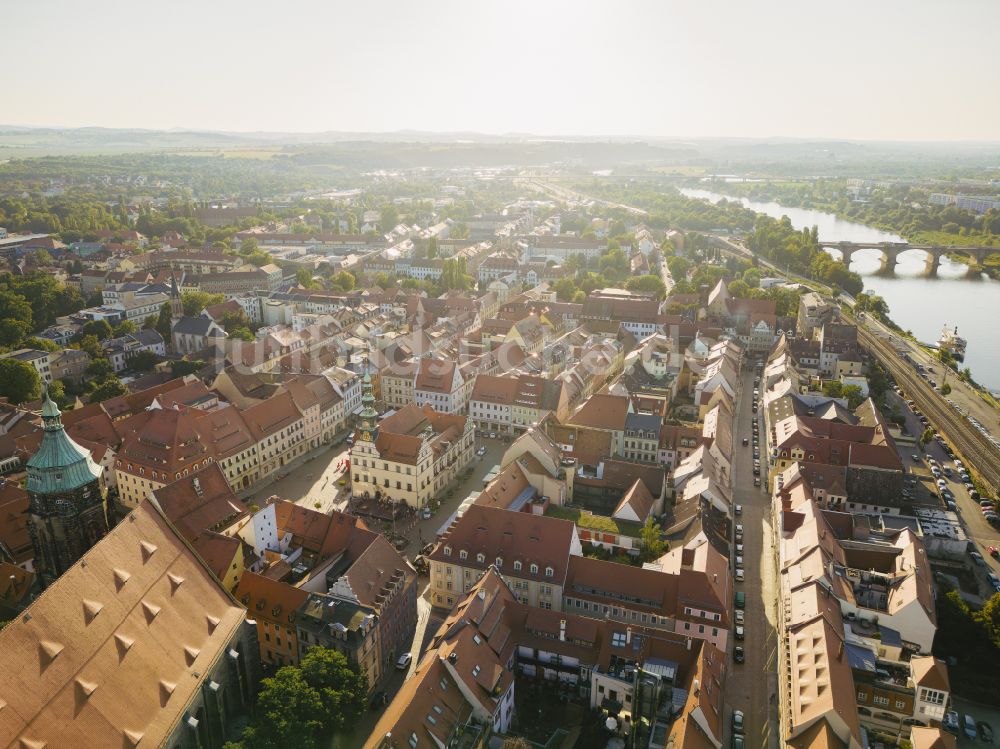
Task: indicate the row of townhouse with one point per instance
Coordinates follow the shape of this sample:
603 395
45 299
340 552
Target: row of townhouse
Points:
513 404
462 692
164 444
687 591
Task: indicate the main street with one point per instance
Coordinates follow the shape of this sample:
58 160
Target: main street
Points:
750 685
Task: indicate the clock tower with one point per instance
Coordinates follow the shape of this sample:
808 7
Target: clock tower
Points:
369 416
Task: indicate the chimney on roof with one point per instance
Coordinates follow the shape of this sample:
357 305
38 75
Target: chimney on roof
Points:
197 486
452 657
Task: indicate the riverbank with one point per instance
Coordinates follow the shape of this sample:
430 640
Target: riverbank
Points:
790 198
917 302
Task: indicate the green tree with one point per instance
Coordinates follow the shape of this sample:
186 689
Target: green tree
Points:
144 361
647 284
926 437
150 322
99 328
164 321
241 334
432 248
289 712
13 331
751 277
57 392
344 281
342 687
92 346
853 395
100 370
179 368
389 217
651 545
304 278
194 302
41 344
19 381
946 389
125 327
42 257
233 320
110 388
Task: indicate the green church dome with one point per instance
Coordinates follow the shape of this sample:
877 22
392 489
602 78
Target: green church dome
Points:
60 464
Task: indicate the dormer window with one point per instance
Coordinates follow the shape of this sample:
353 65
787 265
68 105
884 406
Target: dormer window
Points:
517 566
463 554
534 569
447 551
549 572
481 558
499 562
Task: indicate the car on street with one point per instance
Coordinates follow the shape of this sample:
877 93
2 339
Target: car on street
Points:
739 509
739 632
756 480
738 654
739 549
950 722
378 700
737 721
977 558
481 450
985 731
994 552
403 662
915 458
738 741
493 435
745 442
740 577
969 726
740 616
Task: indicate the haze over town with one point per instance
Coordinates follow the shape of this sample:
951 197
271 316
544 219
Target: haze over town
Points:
481 375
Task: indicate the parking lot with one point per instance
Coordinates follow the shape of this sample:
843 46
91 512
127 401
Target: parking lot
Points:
981 713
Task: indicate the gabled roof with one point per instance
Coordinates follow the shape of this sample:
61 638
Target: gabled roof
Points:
604 412
200 502
513 537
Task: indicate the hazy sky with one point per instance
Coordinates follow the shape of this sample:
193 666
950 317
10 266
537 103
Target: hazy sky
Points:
883 69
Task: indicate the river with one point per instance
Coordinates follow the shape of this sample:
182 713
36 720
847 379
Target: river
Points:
920 303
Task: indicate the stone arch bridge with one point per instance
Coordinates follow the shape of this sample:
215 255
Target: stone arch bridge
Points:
891 251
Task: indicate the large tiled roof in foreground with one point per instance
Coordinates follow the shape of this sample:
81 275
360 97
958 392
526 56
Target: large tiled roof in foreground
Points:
111 654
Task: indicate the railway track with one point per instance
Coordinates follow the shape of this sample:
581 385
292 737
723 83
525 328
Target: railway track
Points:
975 450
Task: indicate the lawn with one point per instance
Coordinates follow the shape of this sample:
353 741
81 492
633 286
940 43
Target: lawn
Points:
590 521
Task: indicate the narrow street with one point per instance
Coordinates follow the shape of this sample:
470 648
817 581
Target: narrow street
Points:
750 685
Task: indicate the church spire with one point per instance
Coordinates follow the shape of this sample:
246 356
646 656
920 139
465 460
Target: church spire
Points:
176 305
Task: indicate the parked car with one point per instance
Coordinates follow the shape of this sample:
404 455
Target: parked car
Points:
950 722
737 721
969 726
739 509
403 662
756 480
985 731
745 442
740 656
740 577
977 558
740 616
739 632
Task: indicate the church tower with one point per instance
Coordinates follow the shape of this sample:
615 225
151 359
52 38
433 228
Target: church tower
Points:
176 306
66 508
